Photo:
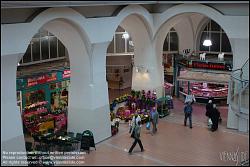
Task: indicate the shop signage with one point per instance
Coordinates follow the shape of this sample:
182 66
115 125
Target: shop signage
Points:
42 79
53 77
32 81
208 65
66 74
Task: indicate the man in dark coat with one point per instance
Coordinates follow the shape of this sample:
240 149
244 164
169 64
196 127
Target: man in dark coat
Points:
215 115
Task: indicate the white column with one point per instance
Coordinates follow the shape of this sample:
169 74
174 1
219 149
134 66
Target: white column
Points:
12 137
152 80
88 96
100 97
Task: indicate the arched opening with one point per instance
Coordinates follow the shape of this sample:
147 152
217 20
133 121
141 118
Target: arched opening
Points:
119 70
193 74
43 79
170 48
136 70
120 54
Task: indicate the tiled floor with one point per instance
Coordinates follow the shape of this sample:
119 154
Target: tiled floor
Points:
175 144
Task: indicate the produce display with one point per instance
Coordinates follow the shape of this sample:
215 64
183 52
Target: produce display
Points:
139 101
37 118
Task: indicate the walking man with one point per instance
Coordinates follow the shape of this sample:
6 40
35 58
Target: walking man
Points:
136 136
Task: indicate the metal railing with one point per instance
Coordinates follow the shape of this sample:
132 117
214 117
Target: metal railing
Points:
239 89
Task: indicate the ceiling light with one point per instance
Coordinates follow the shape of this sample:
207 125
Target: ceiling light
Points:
207 42
125 35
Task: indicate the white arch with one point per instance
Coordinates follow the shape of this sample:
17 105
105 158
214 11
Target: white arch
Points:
139 11
72 16
26 31
190 8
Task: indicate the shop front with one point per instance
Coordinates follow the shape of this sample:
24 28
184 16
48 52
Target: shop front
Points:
203 79
204 85
43 101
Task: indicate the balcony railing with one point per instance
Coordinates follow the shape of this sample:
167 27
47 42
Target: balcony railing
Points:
239 89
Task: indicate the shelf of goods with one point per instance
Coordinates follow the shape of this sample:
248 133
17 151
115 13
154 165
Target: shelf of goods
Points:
38 120
60 121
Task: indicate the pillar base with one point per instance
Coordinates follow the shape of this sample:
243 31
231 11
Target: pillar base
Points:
96 120
13 152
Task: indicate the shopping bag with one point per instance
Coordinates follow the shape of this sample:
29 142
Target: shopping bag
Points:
210 123
148 126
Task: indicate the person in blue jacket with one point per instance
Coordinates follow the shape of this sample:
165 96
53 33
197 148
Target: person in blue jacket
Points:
188 109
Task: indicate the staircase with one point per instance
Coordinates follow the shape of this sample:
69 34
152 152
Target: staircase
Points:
239 97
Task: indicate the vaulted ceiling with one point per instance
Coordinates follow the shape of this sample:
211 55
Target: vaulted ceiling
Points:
24 11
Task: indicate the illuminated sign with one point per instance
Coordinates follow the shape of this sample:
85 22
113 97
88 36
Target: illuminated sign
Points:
42 79
209 65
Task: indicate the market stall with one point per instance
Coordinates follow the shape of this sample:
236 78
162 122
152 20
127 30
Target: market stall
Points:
204 85
203 79
43 99
51 87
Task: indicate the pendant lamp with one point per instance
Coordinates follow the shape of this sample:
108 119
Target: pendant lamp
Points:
207 41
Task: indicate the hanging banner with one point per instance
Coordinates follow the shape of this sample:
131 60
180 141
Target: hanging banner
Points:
66 74
32 82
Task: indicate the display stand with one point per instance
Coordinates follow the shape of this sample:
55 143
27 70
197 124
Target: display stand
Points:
162 107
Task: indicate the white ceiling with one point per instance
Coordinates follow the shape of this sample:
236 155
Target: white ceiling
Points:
30 4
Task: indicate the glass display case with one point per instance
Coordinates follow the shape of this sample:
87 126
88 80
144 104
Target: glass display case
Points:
205 90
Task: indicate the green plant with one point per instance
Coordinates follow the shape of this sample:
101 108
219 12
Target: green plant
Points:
133 93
